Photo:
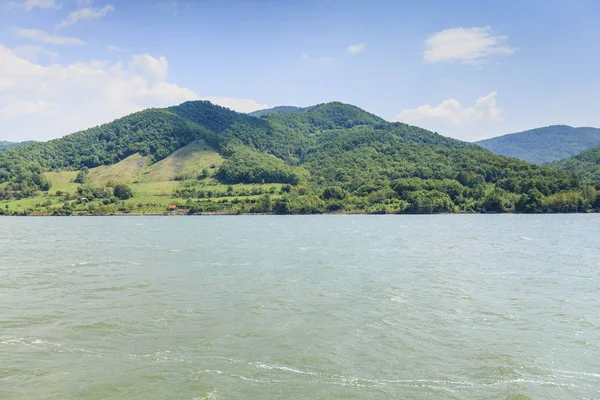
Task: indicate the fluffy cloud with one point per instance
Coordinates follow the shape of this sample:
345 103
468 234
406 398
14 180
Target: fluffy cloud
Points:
30 4
85 14
356 48
154 69
43 37
43 102
451 117
32 53
465 45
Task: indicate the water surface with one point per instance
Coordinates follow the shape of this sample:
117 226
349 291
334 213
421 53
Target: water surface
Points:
303 307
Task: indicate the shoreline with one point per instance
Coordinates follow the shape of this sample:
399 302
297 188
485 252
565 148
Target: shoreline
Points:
282 215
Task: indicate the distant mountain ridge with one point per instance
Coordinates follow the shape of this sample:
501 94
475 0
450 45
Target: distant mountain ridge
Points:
4 145
543 145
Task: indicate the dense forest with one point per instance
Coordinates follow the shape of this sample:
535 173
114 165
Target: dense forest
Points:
544 145
586 163
329 157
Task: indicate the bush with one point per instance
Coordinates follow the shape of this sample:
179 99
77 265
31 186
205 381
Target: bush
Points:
122 192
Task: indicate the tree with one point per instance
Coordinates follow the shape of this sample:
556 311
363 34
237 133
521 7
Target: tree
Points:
42 182
82 175
122 192
262 205
497 201
333 192
530 202
282 205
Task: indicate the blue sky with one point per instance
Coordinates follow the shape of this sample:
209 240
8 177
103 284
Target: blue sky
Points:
466 69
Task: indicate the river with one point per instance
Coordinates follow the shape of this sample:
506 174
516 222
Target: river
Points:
300 307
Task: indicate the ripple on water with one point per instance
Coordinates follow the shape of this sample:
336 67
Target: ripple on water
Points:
111 289
43 345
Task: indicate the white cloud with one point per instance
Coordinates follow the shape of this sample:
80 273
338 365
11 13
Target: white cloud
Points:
43 102
83 14
30 4
451 117
32 53
154 69
465 45
239 105
43 37
356 48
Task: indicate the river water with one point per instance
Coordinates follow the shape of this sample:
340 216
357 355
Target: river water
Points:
300 307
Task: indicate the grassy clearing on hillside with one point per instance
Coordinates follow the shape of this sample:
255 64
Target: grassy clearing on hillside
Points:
127 170
62 181
20 205
153 193
187 162
161 189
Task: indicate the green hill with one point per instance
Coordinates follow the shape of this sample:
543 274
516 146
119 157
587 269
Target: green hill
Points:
330 157
544 145
586 163
12 145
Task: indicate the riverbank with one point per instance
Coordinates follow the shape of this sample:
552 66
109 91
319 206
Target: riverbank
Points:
166 214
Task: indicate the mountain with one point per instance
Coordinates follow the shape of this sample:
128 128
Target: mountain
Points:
544 145
12 145
586 163
332 157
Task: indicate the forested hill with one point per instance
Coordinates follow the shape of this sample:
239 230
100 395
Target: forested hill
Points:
332 157
544 145
586 163
12 145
